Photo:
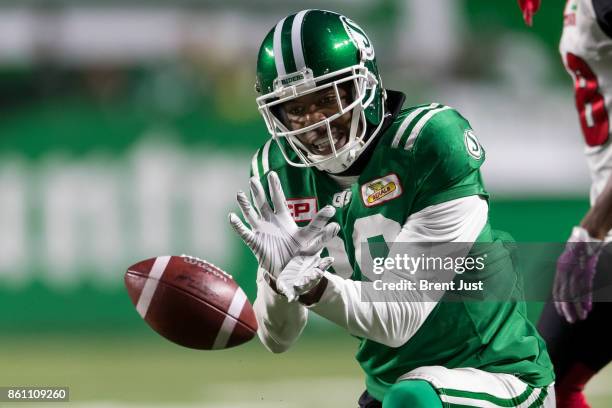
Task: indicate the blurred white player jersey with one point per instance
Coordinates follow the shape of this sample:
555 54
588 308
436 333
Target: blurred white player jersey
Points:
587 54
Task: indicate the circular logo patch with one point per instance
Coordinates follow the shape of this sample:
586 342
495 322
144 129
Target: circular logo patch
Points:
472 145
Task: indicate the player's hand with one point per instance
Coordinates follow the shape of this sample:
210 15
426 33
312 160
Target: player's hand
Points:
274 237
529 8
573 286
301 275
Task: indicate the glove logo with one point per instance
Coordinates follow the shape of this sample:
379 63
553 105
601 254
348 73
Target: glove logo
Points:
472 145
381 190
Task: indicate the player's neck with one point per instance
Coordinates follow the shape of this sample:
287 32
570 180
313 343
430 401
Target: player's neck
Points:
344 181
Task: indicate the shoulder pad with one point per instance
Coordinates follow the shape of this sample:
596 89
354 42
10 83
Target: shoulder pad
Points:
410 123
266 158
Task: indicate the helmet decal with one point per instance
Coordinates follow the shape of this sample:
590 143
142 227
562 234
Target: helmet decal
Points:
359 38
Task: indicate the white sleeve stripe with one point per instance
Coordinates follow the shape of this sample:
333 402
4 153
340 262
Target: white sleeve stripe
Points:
264 156
407 121
420 124
254 167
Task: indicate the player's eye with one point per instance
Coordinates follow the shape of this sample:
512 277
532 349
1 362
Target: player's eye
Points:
328 100
294 110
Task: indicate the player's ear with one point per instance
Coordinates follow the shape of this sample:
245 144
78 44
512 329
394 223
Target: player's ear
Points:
281 114
350 91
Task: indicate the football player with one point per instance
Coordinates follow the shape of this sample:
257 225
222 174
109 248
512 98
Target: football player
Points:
571 324
348 164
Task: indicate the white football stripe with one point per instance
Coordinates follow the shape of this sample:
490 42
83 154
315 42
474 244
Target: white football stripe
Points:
157 270
420 124
407 121
264 156
278 49
233 313
296 40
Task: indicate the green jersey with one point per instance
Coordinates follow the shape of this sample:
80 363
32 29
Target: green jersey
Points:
427 156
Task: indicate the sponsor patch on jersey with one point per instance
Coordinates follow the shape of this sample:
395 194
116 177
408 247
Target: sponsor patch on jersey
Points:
302 209
381 190
472 145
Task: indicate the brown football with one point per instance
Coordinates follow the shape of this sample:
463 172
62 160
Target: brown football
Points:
191 302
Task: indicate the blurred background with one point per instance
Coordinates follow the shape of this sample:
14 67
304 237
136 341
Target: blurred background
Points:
126 127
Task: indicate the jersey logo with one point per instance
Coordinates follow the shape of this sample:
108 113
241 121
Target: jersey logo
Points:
381 190
342 198
472 145
302 209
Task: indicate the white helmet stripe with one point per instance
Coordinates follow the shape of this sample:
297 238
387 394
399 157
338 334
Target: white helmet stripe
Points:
278 49
296 40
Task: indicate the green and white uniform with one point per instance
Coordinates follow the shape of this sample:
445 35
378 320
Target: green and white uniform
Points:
426 161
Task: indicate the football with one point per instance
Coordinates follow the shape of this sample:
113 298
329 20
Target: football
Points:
191 302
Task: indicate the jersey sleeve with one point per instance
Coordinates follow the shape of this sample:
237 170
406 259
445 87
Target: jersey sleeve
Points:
447 159
279 322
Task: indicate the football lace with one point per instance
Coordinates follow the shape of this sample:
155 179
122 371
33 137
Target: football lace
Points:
210 264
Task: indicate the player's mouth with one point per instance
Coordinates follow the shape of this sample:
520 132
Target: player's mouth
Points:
322 146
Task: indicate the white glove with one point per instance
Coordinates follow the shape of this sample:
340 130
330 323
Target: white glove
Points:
301 275
275 238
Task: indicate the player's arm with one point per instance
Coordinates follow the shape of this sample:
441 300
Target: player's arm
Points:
280 323
598 221
353 305
274 238
576 267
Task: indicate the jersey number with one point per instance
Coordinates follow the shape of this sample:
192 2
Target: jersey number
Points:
589 102
374 227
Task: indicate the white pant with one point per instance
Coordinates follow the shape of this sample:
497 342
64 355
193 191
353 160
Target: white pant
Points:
478 388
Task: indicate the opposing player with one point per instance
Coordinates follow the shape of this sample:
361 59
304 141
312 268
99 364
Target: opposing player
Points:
571 324
343 149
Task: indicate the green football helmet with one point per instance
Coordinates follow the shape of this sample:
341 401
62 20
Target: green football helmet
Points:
317 51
